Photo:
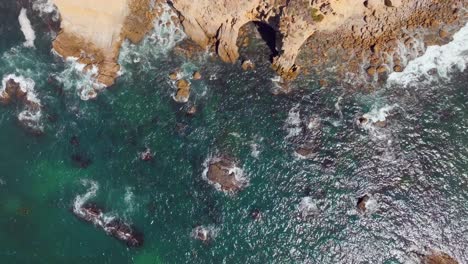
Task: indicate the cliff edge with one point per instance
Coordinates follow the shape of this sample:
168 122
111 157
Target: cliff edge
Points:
372 30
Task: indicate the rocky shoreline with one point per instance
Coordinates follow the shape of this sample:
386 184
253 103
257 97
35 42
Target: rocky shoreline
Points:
371 38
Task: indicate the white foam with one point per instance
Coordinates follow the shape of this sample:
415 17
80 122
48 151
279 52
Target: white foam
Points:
254 150
165 35
307 206
45 7
375 116
237 171
32 114
80 200
75 77
379 114
293 122
204 233
26 28
129 199
444 59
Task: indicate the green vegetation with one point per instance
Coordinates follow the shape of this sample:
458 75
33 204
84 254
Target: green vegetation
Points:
316 15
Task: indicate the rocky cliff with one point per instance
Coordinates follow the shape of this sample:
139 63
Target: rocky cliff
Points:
358 25
371 29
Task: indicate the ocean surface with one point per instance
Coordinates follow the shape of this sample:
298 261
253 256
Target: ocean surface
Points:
411 157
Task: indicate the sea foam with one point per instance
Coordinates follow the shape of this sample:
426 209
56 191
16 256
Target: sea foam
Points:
444 59
26 28
46 7
31 115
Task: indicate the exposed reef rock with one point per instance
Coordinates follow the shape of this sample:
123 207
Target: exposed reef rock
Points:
112 226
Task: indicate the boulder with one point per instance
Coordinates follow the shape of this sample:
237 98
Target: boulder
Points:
248 65
222 171
196 75
439 258
362 203
183 91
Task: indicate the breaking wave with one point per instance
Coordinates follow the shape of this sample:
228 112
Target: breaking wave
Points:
437 62
27 29
31 115
74 77
45 7
165 35
80 200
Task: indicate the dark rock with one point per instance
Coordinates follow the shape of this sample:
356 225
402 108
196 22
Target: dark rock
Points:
116 227
201 233
81 161
362 202
74 141
256 214
146 155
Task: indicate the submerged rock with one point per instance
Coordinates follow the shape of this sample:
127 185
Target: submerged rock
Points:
224 173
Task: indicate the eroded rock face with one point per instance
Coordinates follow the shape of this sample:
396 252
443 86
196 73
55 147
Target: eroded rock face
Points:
374 31
362 24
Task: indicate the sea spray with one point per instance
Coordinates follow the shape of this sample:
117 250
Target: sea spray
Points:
31 115
441 59
84 82
46 7
80 200
293 123
164 36
27 29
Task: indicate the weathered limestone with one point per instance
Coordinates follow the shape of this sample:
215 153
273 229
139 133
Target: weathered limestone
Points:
369 29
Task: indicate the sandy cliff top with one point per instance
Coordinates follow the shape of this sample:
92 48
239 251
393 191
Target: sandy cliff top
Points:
99 21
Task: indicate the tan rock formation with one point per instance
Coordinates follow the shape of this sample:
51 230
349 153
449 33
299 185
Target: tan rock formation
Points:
93 31
364 24
372 30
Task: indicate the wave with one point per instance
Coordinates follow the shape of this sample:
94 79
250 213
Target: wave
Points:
74 77
293 123
165 35
437 62
31 116
307 207
46 7
27 29
80 200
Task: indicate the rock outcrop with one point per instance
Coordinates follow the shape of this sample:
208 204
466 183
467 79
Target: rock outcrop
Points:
93 32
377 33
356 25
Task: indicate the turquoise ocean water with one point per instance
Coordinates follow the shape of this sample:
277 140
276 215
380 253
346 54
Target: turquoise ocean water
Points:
415 168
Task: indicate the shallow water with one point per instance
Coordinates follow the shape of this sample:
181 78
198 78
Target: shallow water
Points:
414 168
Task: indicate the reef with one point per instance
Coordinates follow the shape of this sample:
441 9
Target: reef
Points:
372 37
114 227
